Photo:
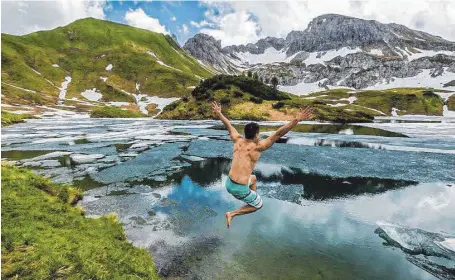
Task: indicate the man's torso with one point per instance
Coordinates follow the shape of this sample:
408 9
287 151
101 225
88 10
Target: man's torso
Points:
244 158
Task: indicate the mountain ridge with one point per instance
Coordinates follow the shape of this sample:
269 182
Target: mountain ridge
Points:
299 58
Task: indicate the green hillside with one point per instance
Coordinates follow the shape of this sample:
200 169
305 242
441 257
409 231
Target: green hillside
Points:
246 98
83 50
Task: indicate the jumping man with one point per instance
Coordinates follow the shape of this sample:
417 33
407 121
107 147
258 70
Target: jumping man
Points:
246 152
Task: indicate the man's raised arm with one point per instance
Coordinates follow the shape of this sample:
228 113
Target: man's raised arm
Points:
269 141
232 131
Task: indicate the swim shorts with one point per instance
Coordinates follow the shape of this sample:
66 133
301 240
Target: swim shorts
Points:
244 193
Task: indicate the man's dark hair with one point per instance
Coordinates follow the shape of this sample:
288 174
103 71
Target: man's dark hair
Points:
251 130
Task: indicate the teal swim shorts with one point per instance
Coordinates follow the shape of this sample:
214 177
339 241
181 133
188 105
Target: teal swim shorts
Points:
244 193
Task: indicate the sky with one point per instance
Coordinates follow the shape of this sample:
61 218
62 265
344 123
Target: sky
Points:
231 22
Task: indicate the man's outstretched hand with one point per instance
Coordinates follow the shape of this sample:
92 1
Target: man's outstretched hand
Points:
216 108
304 114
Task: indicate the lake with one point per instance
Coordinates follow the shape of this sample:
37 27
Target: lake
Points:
361 201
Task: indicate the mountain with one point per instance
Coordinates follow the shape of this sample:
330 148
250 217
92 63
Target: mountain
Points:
338 51
92 62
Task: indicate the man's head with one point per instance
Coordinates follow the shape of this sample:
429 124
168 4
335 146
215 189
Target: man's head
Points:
251 131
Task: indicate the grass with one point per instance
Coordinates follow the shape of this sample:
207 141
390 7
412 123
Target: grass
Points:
84 48
451 103
408 101
10 118
45 237
114 112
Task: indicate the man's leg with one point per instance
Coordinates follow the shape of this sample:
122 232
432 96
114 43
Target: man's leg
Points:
246 209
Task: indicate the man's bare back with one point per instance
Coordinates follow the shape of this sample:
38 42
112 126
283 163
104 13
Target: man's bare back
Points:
246 152
245 155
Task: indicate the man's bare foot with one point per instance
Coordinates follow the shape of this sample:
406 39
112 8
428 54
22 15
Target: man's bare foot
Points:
228 219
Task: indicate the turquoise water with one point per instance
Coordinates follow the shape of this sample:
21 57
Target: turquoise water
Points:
337 205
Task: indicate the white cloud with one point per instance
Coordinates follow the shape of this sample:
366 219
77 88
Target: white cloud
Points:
278 18
23 17
235 28
138 18
173 18
200 24
185 29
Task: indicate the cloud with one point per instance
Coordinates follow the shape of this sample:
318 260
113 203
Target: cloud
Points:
173 18
200 24
277 18
23 17
138 18
185 29
235 28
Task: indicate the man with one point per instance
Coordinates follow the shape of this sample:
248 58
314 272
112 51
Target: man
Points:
247 150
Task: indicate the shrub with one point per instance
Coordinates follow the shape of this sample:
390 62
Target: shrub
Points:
238 94
429 93
225 100
256 100
278 105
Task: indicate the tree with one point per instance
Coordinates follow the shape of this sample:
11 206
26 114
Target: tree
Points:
250 74
274 82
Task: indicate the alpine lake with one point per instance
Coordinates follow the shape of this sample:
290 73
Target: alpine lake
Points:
358 201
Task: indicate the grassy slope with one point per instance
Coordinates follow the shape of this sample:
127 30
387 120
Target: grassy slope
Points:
10 118
44 237
84 48
114 112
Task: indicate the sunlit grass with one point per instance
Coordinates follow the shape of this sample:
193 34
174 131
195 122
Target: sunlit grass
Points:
44 236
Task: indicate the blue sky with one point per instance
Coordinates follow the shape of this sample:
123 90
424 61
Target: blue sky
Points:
231 22
170 14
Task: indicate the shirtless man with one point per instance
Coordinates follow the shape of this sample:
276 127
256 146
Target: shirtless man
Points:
240 183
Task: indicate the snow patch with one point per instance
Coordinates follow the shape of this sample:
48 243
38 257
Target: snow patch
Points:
36 71
337 105
162 63
377 52
109 67
55 65
137 86
394 112
321 57
143 100
447 113
270 55
104 79
118 103
425 53
302 88
92 94
80 158
65 84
